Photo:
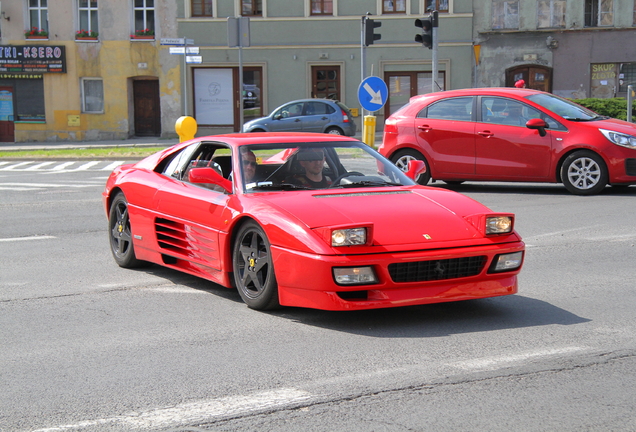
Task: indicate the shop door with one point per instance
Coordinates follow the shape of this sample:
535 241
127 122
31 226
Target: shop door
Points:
147 110
6 115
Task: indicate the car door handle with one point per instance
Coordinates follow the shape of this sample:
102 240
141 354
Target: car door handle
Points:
425 128
297 120
485 134
325 118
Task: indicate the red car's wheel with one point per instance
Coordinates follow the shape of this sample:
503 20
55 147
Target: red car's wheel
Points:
120 233
253 268
584 173
401 160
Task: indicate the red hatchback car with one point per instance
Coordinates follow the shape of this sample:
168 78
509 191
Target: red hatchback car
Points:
509 134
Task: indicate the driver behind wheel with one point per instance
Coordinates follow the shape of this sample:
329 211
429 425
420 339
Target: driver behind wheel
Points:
312 161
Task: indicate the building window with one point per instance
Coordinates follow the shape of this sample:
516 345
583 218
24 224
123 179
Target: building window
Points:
92 95
393 6
144 12
39 15
322 7
599 13
438 5
325 82
505 14
551 13
252 7
88 16
201 8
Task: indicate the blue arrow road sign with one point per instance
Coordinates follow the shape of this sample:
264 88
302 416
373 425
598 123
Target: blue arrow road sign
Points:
372 93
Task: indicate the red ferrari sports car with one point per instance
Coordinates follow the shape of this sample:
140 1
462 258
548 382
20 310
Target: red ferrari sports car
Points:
309 220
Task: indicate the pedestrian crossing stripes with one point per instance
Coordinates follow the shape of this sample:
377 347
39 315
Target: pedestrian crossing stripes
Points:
57 166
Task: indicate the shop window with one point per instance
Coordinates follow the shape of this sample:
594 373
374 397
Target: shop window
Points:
38 15
201 8
322 7
505 14
252 7
144 13
88 23
438 5
599 13
29 100
551 13
92 95
393 6
626 77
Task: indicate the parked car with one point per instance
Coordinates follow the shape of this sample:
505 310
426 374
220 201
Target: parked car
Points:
306 115
227 208
510 134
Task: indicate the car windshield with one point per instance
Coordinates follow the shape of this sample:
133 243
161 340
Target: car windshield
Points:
563 107
316 165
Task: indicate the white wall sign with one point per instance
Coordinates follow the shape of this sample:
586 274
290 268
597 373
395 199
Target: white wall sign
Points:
213 96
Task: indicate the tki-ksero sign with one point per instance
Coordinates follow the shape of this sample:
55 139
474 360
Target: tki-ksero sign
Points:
32 58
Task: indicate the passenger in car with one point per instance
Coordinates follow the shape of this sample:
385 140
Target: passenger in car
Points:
312 161
248 164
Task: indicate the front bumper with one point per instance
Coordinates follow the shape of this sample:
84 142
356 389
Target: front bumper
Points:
306 280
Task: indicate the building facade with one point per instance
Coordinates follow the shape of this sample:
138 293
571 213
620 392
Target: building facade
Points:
313 48
75 70
573 48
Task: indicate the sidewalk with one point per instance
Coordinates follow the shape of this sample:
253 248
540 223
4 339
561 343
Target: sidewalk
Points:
130 142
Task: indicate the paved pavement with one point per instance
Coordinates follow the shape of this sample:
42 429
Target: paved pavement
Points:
131 142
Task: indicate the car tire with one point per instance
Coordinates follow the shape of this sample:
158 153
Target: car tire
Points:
584 173
253 268
333 130
120 233
401 160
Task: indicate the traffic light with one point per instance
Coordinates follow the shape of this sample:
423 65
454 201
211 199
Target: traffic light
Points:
426 37
369 35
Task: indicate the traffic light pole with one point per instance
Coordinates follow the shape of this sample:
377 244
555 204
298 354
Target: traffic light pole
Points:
434 85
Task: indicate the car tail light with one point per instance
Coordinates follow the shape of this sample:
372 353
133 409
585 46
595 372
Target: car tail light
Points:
345 117
390 126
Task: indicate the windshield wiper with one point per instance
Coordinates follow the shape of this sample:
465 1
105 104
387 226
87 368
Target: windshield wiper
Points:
365 183
274 186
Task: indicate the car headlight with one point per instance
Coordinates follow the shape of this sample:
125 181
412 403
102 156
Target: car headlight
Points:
506 262
620 139
349 237
354 275
498 225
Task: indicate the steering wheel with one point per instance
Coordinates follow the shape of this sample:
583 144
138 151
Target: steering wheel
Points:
336 182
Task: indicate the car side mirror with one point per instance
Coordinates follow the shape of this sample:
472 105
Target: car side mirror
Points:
538 124
415 168
209 176
278 116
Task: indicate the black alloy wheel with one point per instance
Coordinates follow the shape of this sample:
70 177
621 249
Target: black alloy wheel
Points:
120 233
253 268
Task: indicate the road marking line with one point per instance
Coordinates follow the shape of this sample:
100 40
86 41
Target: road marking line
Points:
50 185
12 167
62 166
86 166
490 363
42 237
112 166
38 166
196 412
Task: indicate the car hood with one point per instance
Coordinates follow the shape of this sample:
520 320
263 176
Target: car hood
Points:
398 215
615 125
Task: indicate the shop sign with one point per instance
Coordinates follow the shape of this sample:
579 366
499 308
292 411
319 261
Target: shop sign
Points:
29 59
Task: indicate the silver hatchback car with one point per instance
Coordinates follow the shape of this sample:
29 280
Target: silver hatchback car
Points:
306 115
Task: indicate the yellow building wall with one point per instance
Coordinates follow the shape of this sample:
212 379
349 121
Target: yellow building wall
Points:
117 63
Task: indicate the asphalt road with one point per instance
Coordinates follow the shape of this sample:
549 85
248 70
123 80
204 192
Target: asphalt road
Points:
86 345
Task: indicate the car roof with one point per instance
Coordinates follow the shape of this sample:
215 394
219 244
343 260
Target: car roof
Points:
490 91
240 139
